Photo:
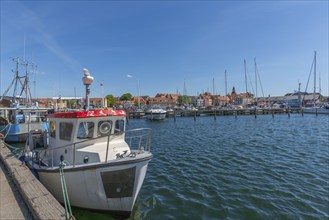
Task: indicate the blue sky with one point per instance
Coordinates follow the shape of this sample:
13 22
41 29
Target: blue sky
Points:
161 44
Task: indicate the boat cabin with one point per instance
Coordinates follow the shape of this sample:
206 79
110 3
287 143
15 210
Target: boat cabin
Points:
85 137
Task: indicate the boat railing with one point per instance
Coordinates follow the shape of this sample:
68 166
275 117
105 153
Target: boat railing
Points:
137 140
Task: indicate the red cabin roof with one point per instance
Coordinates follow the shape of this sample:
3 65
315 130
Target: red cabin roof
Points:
88 114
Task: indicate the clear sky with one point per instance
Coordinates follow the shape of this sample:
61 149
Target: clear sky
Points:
161 44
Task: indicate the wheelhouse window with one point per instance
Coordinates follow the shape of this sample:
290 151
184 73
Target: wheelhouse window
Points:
104 128
119 126
52 129
65 131
86 130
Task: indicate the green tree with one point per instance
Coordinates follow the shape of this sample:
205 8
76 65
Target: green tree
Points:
71 103
126 97
110 100
184 99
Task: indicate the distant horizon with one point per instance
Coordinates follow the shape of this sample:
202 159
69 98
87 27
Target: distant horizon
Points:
146 47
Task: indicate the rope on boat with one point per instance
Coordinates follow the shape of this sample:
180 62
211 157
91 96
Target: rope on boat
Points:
17 151
8 125
68 211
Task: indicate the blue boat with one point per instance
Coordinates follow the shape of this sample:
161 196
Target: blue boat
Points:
16 120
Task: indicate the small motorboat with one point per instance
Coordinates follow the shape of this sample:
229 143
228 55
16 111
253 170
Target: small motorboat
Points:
155 113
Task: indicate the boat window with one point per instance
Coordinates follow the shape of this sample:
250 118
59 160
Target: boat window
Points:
52 129
86 130
104 128
65 131
119 126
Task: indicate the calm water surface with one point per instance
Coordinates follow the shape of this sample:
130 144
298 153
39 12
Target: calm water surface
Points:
244 168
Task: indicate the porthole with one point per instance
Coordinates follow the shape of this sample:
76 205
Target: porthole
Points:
105 128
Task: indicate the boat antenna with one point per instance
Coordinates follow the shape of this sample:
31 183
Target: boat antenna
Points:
87 81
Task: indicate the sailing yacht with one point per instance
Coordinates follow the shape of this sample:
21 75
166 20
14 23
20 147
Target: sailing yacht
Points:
317 108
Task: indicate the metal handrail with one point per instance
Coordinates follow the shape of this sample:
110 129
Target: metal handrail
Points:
143 139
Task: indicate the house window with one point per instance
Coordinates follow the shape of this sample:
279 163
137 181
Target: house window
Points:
86 130
65 131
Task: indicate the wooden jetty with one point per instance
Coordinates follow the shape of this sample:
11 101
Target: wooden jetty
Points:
41 204
221 112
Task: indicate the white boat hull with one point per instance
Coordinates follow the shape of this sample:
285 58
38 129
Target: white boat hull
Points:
155 116
316 111
112 188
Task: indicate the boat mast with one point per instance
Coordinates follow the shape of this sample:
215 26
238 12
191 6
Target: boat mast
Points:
225 84
87 81
245 75
314 78
139 101
256 79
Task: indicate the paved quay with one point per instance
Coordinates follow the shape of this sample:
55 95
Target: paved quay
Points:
12 205
22 196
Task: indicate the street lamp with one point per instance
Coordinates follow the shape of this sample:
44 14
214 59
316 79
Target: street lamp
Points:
87 81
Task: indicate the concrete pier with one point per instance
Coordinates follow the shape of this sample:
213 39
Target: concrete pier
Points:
12 205
31 200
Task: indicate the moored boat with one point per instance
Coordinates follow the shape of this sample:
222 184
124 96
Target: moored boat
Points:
155 113
20 114
105 165
17 121
317 110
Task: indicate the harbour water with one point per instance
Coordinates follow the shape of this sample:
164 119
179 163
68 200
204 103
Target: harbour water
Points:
244 168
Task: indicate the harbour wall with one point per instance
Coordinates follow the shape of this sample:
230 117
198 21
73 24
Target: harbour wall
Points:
39 200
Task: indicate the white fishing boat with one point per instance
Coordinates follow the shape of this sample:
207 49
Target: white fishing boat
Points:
155 113
105 165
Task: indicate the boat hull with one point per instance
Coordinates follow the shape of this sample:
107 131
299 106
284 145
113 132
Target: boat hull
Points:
19 132
106 188
324 111
155 116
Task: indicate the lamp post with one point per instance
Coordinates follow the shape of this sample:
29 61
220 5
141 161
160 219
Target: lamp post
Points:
87 81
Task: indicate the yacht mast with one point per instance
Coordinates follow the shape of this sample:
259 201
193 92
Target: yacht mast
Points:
225 84
256 78
314 78
245 75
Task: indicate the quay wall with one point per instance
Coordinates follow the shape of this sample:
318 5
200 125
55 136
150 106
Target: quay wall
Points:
39 200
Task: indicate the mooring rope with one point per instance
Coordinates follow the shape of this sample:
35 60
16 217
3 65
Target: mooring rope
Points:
68 211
